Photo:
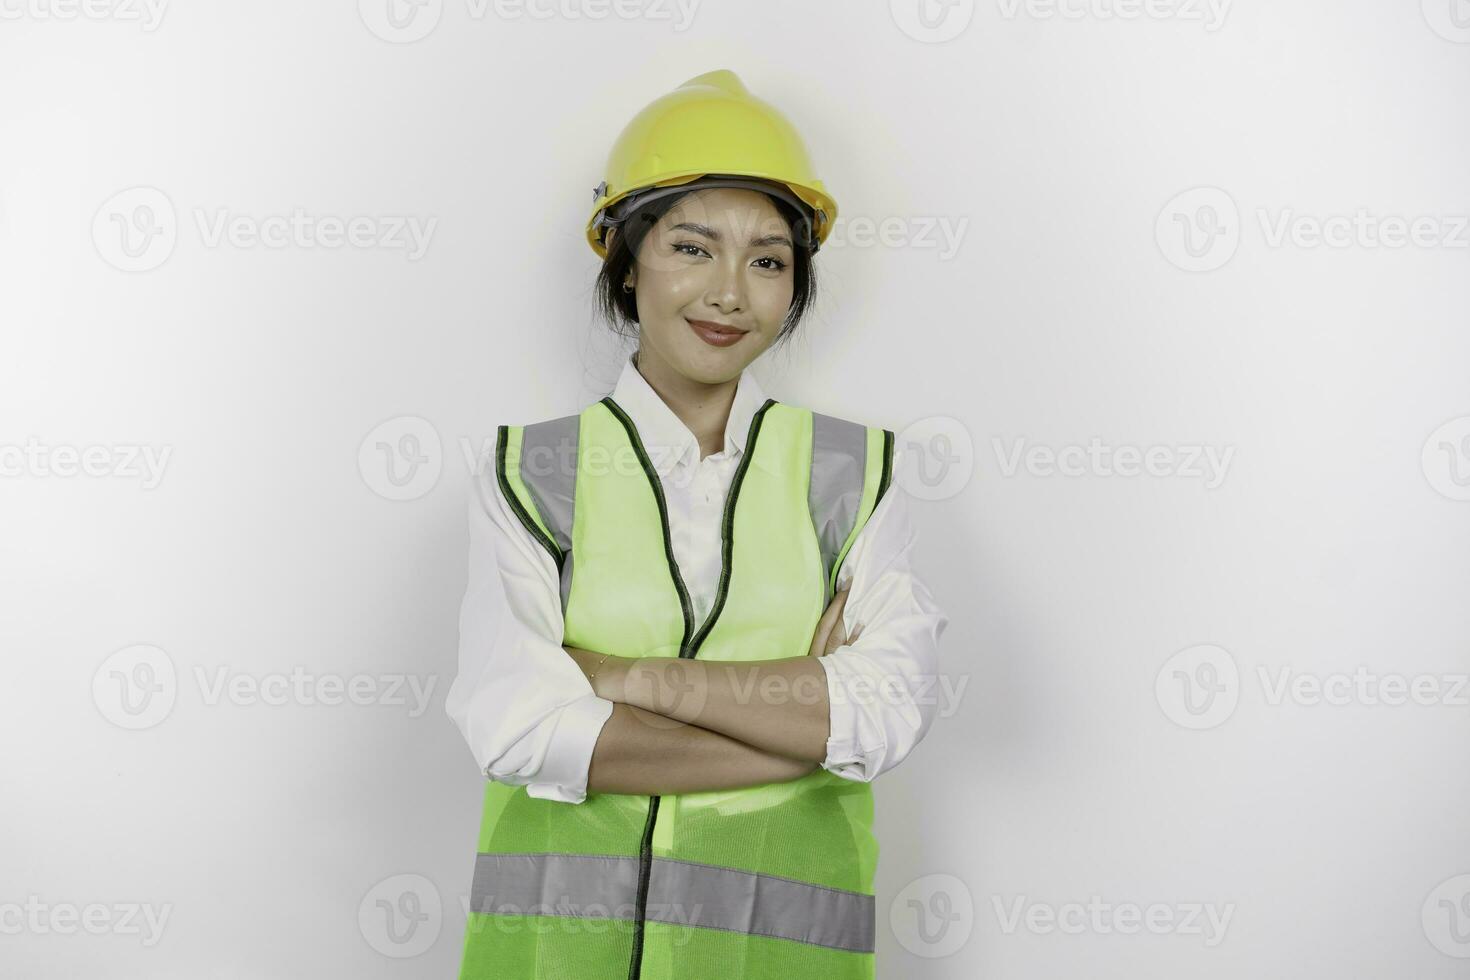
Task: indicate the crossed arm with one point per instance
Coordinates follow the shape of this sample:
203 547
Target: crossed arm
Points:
644 752
684 725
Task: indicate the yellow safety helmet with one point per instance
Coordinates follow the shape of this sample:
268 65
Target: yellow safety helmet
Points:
710 130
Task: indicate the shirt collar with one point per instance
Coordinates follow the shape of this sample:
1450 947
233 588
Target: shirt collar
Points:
664 435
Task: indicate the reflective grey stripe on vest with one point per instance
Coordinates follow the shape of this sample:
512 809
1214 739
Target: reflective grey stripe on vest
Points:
839 463
549 471
679 893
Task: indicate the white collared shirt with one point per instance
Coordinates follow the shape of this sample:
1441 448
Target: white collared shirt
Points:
529 714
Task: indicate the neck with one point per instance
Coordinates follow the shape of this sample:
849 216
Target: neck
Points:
703 408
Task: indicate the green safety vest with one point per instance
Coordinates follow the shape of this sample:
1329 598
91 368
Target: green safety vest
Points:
772 881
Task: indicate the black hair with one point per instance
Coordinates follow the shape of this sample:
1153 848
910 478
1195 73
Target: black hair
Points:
620 307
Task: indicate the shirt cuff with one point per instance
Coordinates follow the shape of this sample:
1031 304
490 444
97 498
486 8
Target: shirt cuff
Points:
563 773
854 749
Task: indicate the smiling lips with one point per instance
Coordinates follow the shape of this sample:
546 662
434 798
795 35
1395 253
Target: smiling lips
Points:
715 334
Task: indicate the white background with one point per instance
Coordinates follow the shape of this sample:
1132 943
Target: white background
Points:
1056 142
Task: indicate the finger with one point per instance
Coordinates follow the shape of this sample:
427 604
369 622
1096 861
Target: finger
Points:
830 616
819 638
837 636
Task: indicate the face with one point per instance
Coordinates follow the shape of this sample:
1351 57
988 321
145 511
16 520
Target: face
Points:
720 256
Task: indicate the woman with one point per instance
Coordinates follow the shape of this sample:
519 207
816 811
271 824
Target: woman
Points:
656 672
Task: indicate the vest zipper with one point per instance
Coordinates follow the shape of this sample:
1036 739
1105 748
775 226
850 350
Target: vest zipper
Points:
688 646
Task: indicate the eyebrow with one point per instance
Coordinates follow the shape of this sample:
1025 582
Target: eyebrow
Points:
710 233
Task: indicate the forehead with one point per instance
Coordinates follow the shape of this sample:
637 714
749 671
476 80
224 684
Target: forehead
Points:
737 210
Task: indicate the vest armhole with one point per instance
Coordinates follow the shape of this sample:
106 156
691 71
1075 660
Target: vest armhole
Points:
877 477
508 475
885 478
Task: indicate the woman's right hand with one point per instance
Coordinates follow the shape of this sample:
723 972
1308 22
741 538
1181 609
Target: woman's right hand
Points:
830 634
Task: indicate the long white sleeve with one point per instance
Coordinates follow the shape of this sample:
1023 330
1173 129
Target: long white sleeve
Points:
523 705
884 687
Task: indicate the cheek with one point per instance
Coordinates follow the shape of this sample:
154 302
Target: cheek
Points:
772 298
674 289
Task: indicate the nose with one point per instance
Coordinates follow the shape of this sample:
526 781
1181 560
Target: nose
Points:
726 289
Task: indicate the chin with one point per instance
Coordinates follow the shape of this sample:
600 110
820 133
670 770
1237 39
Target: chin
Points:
712 365
713 370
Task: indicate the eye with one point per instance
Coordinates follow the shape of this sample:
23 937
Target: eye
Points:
680 246
777 265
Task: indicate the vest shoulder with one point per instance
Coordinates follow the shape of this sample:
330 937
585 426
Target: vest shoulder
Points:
554 422
597 405
523 439
829 420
